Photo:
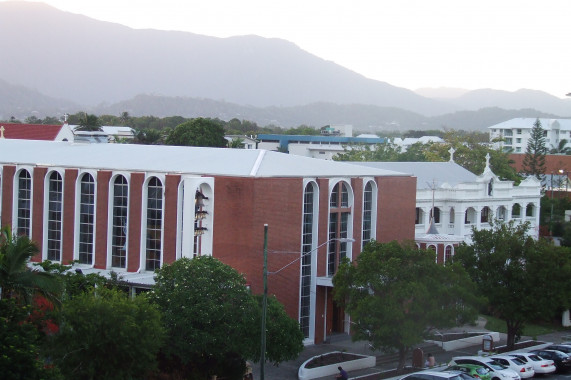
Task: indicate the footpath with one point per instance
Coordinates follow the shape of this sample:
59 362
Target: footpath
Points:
385 362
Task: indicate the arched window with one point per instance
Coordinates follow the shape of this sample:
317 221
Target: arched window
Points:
119 225
530 210
485 215
54 226
24 203
436 217
338 225
154 224
502 212
307 244
86 219
448 252
516 211
367 213
470 216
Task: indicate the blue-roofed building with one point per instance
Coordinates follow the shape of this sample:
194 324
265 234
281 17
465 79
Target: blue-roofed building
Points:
325 146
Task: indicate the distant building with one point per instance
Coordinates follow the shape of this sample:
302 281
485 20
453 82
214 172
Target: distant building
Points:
516 133
46 132
405 143
247 141
107 134
332 141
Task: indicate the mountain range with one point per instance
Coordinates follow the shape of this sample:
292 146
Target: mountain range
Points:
57 62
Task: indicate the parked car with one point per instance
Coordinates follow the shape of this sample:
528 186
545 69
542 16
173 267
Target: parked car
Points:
438 375
539 364
497 371
524 370
474 370
560 347
561 359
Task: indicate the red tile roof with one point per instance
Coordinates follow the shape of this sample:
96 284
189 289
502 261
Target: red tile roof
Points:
31 131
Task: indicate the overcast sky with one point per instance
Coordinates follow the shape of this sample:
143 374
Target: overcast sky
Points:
470 44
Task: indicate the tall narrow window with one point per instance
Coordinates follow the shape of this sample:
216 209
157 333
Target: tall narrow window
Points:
338 226
154 223
24 203
119 226
367 213
448 254
55 203
86 218
306 258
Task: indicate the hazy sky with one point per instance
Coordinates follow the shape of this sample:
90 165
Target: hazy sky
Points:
500 44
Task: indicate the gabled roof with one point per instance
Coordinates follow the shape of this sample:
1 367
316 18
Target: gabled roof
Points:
31 131
428 172
177 159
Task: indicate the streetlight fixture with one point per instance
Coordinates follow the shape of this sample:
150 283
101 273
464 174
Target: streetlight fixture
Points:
265 297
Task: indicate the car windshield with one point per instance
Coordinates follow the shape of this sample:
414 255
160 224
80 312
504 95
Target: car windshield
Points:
496 366
535 358
518 361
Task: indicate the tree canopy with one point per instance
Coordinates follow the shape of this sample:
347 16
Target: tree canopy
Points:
396 293
534 159
106 335
198 132
213 322
89 123
16 279
523 279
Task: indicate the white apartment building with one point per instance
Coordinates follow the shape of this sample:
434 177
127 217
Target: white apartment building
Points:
516 133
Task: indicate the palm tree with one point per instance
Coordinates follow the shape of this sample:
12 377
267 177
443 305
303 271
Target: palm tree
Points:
89 123
561 148
16 279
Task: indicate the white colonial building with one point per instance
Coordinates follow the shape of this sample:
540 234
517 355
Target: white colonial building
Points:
462 200
516 132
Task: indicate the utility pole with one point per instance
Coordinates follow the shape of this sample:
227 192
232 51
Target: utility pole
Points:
264 305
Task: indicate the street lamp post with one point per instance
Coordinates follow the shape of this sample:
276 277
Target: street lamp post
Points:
265 296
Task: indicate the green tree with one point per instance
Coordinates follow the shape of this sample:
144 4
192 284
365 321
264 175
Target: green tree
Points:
284 338
209 315
20 344
106 335
561 148
377 152
148 136
395 294
89 123
198 132
534 159
213 322
236 143
512 269
17 280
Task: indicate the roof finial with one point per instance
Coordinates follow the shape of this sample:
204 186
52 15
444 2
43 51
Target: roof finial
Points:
1 131
451 151
487 160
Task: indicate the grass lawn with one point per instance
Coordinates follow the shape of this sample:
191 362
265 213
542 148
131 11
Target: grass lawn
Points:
532 330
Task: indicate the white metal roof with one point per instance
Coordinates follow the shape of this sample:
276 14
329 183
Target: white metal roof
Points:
175 159
528 122
427 173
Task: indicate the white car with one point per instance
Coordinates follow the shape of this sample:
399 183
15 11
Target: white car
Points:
438 375
523 369
539 364
497 371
